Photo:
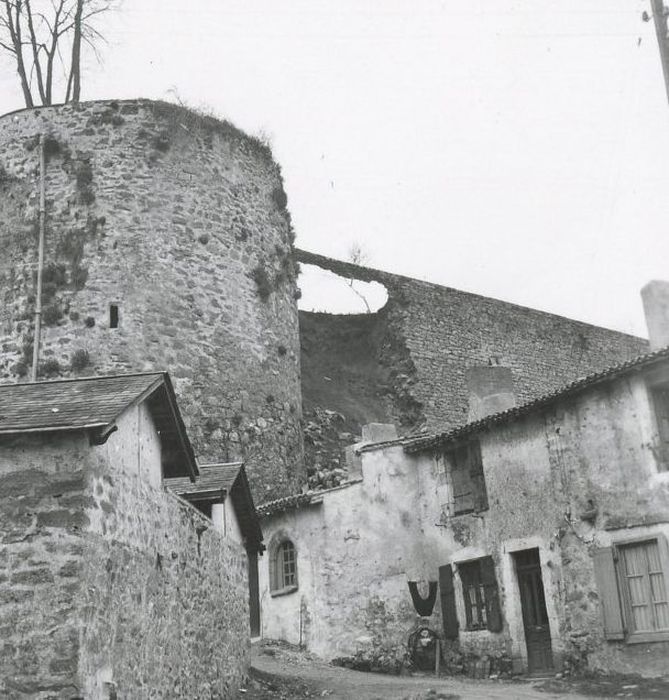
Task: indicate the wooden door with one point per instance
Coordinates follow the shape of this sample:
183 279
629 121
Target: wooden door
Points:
254 594
535 617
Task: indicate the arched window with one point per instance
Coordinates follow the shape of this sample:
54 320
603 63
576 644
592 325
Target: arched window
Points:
283 566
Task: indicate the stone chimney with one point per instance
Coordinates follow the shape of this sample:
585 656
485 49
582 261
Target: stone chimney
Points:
371 432
490 390
655 296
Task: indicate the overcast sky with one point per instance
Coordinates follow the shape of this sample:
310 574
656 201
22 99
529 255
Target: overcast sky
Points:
513 148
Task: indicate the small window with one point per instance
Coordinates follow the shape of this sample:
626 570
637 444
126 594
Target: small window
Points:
660 395
480 595
113 315
283 567
644 587
465 479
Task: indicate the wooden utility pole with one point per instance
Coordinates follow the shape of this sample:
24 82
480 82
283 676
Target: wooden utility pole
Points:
660 13
40 259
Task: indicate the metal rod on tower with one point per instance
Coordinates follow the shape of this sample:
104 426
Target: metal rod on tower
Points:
40 258
660 13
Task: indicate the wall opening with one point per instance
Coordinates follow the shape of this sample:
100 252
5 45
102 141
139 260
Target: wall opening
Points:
324 291
113 315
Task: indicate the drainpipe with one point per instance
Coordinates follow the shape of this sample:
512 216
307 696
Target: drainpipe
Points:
40 258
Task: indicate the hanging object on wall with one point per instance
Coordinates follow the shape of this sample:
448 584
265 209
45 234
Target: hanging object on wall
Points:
423 606
423 648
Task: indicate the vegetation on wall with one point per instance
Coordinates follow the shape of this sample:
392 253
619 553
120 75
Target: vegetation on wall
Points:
262 279
80 360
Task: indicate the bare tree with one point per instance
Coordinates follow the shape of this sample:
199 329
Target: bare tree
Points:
358 256
45 39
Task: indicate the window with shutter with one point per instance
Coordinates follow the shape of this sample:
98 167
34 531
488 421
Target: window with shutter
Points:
645 587
607 586
632 581
465 479
480 595
447 597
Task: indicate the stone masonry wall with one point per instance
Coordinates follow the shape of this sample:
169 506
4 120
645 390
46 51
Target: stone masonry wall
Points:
181 222
110 586
42 485
164 596
433 334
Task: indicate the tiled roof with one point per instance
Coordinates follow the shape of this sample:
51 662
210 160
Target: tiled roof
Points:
94 404
296 500
213 477
214 483
70 404
424 443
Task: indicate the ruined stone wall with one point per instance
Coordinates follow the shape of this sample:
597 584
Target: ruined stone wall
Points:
428 336
181 222
42 487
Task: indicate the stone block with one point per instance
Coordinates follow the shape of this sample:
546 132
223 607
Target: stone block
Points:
379 432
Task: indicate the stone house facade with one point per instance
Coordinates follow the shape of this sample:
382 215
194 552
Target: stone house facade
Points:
111 585
543 527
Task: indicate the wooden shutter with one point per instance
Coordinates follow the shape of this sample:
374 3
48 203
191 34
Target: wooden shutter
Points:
447 593
477 476
493 608
661 402
607 587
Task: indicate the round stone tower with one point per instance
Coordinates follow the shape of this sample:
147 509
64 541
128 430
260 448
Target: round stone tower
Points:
168 246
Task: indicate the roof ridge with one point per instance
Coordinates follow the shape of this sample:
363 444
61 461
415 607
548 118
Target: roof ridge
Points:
419 443
84 379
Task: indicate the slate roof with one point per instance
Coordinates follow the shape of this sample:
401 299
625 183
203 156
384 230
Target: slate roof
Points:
69 404
214 483
94 404
212 478
429 441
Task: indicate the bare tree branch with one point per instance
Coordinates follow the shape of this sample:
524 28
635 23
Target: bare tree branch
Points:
37 66
13 23
38 33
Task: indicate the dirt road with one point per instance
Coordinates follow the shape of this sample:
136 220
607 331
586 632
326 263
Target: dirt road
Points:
286 674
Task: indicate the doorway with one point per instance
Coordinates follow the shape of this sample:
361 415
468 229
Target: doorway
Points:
535 616
254 594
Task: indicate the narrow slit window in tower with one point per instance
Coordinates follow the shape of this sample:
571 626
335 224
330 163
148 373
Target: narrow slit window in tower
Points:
113 315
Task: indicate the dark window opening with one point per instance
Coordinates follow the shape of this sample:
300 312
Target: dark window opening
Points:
464 474
113 315
480 594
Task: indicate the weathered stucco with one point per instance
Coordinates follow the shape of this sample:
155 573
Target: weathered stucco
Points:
580 473
181 222
356 551
108 583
